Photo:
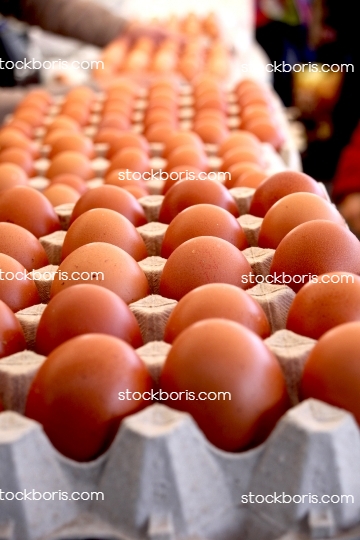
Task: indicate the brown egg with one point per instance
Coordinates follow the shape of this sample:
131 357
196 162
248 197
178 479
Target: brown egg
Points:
331 300
163 102
156 116
80 380
165 81
124 86
123 94
72 181
16 292
104 265
254 111
236 171
223 358
70 162
11 175
125 98
119 94
291 211
73 142
187 155
65 123
23 246
182 138
314 248
201 260
240 155
246 84
217 301
115 120
237 139
278 186
28 208
34 102
108 136
331 372
251 179
128 140
137 191
204 83
42 94
133 159
163 92
266 131
211 131
85 309
13 138
30 115
160 132
187 193
182 172
202 220
116 106
210 100
210 114
251 97
104 225
21 126
19 157
78 112
114 198
12 338
54 135
189 67
59 193
81 94
123 178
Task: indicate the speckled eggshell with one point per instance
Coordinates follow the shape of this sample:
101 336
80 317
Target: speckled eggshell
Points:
30 209
23 246
278 186
315 248
185 193
201 260
291 211
203 220
18 293
217 300
120 272
114 198
319 306
104 225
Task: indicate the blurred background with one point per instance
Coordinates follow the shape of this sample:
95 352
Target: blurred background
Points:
322 104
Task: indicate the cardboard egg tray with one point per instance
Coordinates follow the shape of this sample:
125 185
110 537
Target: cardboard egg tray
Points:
161 479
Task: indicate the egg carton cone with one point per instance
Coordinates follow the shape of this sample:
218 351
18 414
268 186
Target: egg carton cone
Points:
161 479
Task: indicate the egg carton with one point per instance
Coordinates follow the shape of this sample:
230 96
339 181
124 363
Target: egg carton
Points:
162 480
170 482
